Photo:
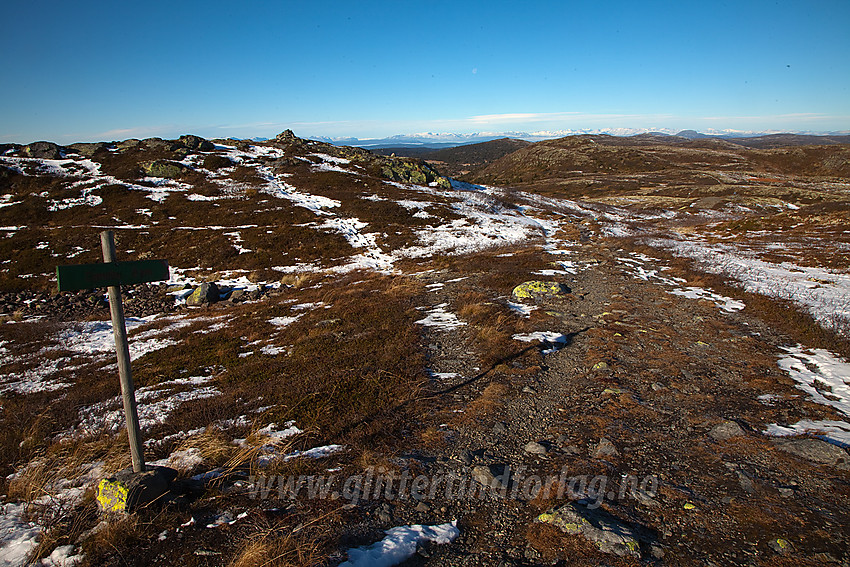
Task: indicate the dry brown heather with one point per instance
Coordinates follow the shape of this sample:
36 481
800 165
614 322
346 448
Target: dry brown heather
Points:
358 370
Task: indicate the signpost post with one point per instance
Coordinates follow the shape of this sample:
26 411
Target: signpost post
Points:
112 275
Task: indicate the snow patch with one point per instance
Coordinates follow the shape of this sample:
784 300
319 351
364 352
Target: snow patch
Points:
400 544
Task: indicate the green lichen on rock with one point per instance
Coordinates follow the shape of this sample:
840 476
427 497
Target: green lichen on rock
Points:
163 168
413 172
597 526
539 290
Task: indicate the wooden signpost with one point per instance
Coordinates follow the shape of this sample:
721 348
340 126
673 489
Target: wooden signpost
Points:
113 275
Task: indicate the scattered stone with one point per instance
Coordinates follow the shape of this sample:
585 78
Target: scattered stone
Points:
384 513
499 428
42 150
597 526
539 290
529 390
423 507
746 482
465 457
815 450
725 431
205 294
600 366
605 449
485 475
785 492
535 448
656 551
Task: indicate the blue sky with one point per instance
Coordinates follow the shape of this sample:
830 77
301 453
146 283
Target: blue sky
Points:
113 70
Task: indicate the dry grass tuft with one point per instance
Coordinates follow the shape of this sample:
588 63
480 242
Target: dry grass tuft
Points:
487 404
282 546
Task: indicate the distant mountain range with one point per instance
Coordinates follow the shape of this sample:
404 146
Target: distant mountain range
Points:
437 140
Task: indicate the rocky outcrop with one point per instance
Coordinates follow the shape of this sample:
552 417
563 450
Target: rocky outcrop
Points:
127 144
88 149
815 450
42 150
416 173
163 168
196 143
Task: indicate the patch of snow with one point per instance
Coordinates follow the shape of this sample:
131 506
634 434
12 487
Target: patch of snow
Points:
554 340
824 293
837 432
821 374
400 544
725 303
522 309
182 460
440 319
17 537
62 556
283 321
272 431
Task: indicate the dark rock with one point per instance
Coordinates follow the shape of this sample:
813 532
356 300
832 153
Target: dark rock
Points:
815 450
129 491
196 143
206 293
43 150
215 162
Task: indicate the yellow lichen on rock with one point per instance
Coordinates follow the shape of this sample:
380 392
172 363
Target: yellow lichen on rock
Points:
537 289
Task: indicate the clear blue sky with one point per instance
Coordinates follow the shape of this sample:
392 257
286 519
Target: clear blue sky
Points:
78 71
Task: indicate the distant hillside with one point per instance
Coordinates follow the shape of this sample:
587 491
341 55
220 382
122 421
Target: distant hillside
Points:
785 140
558 163
463 159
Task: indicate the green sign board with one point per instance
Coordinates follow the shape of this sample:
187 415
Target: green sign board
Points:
90 276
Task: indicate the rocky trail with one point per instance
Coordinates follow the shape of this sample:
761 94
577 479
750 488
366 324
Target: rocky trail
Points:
651 411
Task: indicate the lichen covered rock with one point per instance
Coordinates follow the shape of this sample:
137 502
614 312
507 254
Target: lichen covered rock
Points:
204 294
416 173
163 168
539 290
597 526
